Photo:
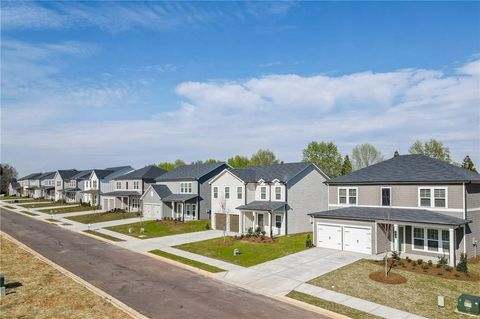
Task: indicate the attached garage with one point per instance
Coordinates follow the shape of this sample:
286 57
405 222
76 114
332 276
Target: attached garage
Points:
220 221
344 237
234 226
152 211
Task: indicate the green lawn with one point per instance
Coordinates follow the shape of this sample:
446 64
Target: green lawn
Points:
28 213
101 217
92 232
187 261
417 295
49 204
9 207
332 306
155 229
250 253
65 210
52 220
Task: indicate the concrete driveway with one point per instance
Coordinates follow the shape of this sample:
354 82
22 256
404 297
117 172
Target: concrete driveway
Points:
280 276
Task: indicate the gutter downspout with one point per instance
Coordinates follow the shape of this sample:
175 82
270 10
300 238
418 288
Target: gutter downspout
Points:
198 204
285 209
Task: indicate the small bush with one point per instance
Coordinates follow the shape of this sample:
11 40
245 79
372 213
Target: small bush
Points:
408 259
207 226
414 263
425 266
463 264
448 268
430 263
401 263
442 262
308 242
419 261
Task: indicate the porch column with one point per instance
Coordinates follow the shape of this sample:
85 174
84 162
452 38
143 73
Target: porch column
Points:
254 220
451 233
396 241
270 222
173 209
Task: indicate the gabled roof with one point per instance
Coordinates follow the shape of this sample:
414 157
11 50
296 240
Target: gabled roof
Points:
31 176
117 168
190 172
179 197
48 175
148 172
15 184
408 169
162 190
67 173
82 174
421 216
267 206
102 173
269 173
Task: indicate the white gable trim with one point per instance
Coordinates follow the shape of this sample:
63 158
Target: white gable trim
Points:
225 171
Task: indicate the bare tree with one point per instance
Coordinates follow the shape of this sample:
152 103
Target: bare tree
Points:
365 155
387 228
222 202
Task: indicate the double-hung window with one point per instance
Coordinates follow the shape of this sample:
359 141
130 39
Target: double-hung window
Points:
386 196
119 185
347 196
136 185
263 193
215 192
418 238
239 192
431 239
432 197
227 192
278 193
94 183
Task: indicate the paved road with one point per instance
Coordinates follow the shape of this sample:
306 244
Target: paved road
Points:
152 287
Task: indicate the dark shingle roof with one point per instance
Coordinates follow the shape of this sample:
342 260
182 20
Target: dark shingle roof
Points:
15 185
148 172
48 175
82 174
283 172
102 173
179 197
408 168
263 206
30 176
162 190
117 168
67 173
422 216
190 172
122 193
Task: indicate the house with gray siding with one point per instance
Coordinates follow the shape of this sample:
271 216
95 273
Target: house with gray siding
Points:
126 189
99 181
62 182
277 198
28 184
45 188
183 193
14 188
411 204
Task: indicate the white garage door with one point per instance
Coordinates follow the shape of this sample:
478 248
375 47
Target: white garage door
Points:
357 239
147 210
152 211
329 236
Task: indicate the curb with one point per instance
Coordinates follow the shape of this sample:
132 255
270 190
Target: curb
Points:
114 301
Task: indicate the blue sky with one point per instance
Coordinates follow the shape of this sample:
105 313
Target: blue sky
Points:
95 84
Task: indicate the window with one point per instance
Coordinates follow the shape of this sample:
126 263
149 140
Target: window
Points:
94 184
189 187
347 196
126 185
431 239
87 184
260 220
59 183
239 192
182 187
432 197
263 192
227 192
135 202
119 185
136 185
425 197
278 221
215 192
418 238
439 197
278 193
386 196
185 187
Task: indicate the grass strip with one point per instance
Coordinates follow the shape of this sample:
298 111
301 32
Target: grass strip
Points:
28 213
332 306
9 207
187 261
52 220
105 236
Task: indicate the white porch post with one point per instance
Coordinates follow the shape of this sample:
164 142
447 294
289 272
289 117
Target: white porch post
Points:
451 233
396 239
270 222
254 220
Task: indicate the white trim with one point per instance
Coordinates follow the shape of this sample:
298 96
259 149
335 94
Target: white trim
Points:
432 196
425 240
342 227
457 210
226 170
347 195
381 199
472 210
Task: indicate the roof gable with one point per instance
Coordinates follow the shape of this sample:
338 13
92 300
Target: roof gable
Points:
190 172
148 172
270 173
408 169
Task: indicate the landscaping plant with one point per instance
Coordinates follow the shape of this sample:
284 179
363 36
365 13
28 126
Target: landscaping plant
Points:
463 264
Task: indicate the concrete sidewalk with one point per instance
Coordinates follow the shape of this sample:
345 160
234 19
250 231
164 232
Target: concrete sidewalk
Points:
356 303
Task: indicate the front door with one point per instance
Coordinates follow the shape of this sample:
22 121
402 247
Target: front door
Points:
278 224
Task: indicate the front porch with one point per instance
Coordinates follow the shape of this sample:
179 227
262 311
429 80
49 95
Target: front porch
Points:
183 206
268 216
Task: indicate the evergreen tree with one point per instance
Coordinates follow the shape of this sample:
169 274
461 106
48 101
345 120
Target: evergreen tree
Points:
346 166
396 154
468 164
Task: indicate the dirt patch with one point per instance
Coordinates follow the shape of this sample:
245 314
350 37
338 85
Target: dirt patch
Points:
392 278
35 289
474 260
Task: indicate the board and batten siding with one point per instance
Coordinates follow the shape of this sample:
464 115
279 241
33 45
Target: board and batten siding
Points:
227 180
401 195
306 193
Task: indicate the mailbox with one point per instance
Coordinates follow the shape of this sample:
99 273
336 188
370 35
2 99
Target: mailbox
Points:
469 304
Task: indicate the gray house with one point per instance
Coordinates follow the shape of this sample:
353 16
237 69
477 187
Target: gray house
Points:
14 188
99 181
62 182
412 204
276 198
127 189
28 184
45 188
182 193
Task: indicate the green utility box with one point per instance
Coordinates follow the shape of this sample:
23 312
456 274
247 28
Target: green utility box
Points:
469 304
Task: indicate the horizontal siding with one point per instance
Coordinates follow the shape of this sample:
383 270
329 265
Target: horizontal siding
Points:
473 196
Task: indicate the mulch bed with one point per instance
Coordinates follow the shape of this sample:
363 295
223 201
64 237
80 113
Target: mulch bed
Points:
474 260
254 239
169 222
433 270
392 278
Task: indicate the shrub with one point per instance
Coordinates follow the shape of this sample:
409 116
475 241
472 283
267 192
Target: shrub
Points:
414 263
430 263
207 226
448 268
442 262
263 232
408 259
401 263
308 242
419 261
249 232
425 266
463 264
258 231
395 255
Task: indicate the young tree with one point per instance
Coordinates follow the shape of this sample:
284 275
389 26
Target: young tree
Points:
166 166
325 155
7 174
365 155
396 154
222 201
432 148
238 161
263 157
346 166
468 164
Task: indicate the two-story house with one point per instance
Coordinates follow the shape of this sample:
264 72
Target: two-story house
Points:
14 188
99 181
45 188
128 188
411 204
28 184
62 182
277 198
183 193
